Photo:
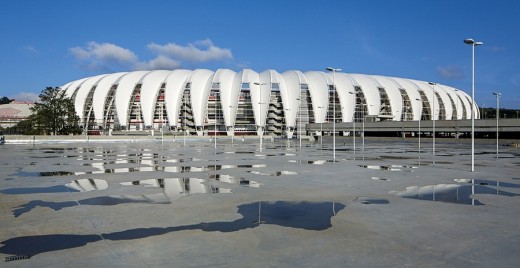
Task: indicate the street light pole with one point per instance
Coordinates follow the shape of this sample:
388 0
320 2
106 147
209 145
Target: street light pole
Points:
334 70
354 101
433 115
261 113
231 126
497 94
321 130
473 44
419 134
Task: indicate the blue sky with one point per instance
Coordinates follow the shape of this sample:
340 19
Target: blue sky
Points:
49 43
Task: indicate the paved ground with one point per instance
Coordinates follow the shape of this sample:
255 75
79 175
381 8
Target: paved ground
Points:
153 204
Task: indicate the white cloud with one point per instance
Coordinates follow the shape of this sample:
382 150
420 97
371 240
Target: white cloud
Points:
104 52
200 51
450 72
159 63
106 56
30 50
25 96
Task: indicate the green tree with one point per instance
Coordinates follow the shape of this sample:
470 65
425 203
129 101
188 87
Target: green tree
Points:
5 100
54 113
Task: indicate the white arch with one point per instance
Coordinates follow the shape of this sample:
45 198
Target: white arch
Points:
319 89
173 92
228 97
290 93
150 88
394 96
100 95
82 93
69 92
411 90
124 93
371 92
199 92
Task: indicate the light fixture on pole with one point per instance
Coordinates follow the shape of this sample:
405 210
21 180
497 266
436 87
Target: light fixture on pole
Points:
333 70
433 116
497 94
353 122
260 124
473 44
419 134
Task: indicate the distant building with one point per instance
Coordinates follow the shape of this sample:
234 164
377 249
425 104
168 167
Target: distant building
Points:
14 112
246 103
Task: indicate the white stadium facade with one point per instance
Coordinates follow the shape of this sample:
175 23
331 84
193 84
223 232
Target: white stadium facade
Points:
200 102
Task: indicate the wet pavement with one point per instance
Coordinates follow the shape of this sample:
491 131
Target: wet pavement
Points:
163 204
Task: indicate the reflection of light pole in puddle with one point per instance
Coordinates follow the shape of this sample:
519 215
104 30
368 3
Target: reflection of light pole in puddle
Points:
259 213
472 192
333 208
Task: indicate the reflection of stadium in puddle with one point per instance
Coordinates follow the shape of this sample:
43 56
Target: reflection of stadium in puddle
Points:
273 174
175 188
311 162
234 180
370 200
388 167
87 185
456 193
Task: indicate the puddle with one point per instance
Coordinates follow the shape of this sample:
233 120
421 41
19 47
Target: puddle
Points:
369 200
87 185
311 162
488 182
389 167
274 174
379 179
313 216
451 193
43 174
38 190
175 188
234 180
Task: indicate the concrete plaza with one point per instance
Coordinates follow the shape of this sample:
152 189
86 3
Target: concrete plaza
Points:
149 202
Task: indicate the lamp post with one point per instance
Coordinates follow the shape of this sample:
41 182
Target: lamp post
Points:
287 128
300 119
231 126
353 123
321 130
419 134
433 116
216 118
473 44
184 121
261 113
333 70
497 94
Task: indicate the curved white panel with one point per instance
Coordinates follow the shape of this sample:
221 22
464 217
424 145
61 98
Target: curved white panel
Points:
150 88
74 86
82 93
100 95
448 108
371 93
199 92
428 92
411 90
394 96
345 86
290 94
175 83
228 97
319 89
267 77
124 93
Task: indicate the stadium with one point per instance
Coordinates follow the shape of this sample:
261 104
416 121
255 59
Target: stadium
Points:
225 102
